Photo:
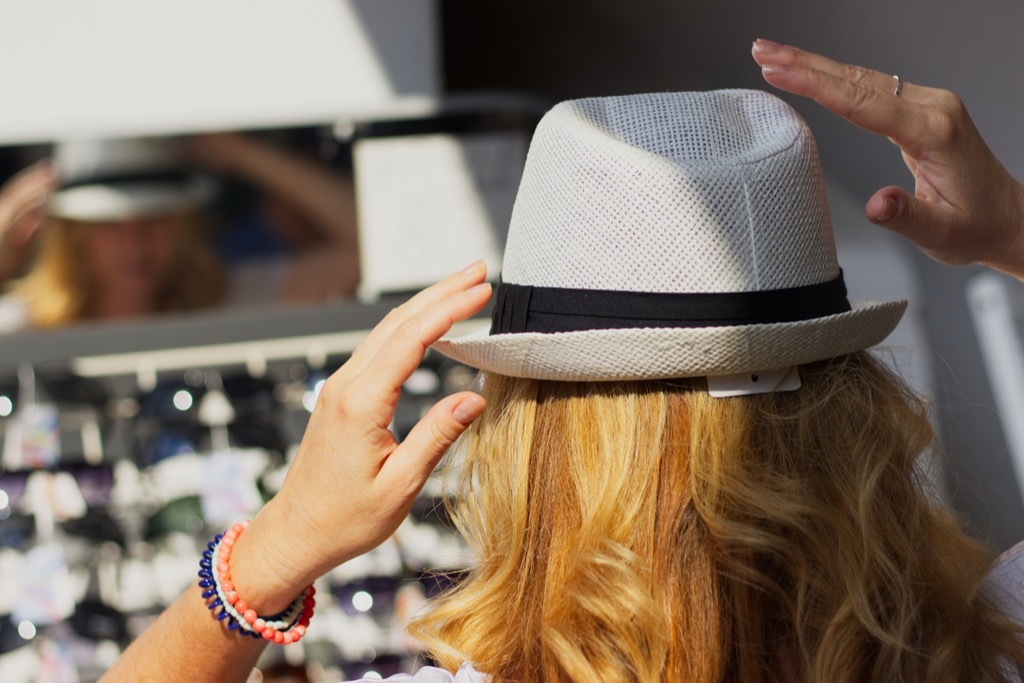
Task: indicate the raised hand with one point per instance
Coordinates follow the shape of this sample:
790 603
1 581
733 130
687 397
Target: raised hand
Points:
965 206
351 484
21 201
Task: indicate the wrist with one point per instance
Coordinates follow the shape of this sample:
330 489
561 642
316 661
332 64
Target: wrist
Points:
223 597
264 569
1011 259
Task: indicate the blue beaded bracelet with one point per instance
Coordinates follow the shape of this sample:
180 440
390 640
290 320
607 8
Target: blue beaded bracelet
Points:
218 592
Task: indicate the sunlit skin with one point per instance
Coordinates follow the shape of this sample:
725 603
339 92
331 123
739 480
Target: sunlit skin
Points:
131 262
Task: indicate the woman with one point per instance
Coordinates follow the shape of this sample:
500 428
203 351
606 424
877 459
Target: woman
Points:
688 468
122 234
127 232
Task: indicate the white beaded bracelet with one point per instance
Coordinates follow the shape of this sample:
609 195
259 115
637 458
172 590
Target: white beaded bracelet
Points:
290 616
219 592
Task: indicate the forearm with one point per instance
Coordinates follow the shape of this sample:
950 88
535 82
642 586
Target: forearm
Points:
323 196
348 488
187 644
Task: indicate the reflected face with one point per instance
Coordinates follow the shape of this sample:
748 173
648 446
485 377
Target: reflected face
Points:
135 255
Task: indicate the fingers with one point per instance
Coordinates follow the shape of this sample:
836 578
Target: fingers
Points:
27 190
430 297
861 96
419 453
401 353
21 201
25 228
766 52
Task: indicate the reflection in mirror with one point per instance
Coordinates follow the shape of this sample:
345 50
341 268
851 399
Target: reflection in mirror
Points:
125 229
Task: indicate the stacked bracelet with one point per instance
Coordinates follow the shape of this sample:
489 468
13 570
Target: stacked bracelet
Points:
219 591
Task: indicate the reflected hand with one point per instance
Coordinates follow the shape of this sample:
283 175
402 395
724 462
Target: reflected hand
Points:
966 207
224 152
351 484
21 201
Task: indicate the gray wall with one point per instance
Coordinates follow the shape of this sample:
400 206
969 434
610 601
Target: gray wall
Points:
572 48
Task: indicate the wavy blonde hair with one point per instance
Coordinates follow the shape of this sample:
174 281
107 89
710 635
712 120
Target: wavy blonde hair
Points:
58 288
648 532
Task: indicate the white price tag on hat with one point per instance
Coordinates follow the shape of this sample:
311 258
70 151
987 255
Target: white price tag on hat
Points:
748 383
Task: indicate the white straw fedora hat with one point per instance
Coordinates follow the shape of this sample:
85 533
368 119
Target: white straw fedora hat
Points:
115 179
670 235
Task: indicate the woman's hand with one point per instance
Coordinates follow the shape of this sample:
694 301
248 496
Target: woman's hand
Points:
223 152
966 207
21 201
351 484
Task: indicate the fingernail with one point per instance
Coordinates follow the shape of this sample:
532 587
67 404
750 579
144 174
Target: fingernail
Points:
482 287
887 210
469 409
774 69
765 47
473 267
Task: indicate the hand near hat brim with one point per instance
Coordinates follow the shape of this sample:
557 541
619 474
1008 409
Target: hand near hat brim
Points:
347 490
351 484
21 202
966 207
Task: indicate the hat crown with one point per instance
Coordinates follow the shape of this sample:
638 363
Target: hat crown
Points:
716 191
116 179
80 161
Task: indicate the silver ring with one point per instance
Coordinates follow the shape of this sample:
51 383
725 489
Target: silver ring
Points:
899 86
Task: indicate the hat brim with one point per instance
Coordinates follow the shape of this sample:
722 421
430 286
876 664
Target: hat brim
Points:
120 201
662 353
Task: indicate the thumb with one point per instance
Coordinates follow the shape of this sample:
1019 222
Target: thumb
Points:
435 433
918 220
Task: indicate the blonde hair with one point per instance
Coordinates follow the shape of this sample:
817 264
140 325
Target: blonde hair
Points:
647 532
58 288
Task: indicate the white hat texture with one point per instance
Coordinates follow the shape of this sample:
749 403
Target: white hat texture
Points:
116 179
670 235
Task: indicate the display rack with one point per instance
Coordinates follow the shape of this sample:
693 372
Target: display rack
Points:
120 513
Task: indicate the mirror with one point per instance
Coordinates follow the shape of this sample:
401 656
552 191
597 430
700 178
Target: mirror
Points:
292 219
348 179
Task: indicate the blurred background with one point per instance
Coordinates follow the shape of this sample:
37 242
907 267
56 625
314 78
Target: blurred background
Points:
326 158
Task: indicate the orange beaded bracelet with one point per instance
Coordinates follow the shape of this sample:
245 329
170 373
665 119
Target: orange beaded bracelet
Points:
219 591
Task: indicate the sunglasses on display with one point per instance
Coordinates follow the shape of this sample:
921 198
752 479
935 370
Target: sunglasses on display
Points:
8 399
17 530
94 620
72 390
184 515
171 402
171 441
95 483
12 490
371 595
14 635
97 526
146 507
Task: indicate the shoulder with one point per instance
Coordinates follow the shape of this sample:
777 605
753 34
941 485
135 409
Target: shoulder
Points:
1006 582
430 674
